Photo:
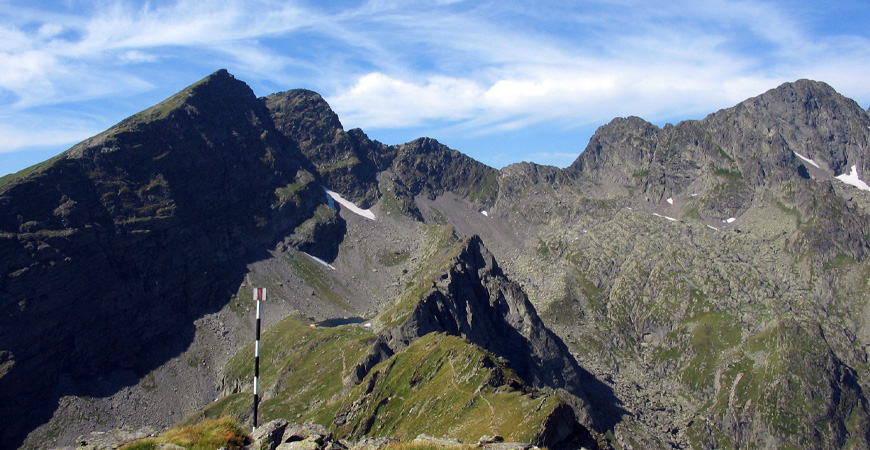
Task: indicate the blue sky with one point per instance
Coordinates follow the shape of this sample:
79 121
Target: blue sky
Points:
503 81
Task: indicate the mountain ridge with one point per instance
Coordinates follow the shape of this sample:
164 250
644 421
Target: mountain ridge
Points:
652 243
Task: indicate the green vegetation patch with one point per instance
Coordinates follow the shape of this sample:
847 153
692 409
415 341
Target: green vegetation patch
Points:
447 387
316 277
209 434
841 262
392 258
725 173
302 370
725 155
713 333
339 165
36 168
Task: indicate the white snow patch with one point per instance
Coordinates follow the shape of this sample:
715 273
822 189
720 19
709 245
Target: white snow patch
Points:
712 227
367 325
367 213
852 178
813 163
666 217
319 260
671 200
729 220
694 195
485 213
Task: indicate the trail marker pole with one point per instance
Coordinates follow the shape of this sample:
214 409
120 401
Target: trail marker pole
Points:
259 296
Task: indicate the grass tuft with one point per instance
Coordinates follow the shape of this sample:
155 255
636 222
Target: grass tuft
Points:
207 435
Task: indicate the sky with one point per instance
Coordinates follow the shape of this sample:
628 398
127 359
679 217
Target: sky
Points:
503 81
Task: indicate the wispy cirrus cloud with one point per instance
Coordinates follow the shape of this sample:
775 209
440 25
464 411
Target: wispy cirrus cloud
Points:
465 69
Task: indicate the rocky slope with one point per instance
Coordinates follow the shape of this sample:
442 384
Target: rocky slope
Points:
709 277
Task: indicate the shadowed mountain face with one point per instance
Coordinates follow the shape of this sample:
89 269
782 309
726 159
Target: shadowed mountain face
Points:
111 251
709 277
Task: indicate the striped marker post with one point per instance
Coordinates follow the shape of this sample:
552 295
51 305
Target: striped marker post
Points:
259 296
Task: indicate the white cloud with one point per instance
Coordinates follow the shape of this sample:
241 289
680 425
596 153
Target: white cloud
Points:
468 68
382 101
685 60
29 131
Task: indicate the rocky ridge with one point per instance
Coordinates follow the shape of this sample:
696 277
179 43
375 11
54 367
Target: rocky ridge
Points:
712 274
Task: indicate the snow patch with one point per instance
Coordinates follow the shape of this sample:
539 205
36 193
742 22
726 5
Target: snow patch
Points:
666 217
852 178
694 195
485 213
812 163
319 260
336 197
671 200
729 220
712 227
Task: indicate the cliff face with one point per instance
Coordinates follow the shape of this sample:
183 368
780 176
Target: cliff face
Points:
111 251
473 299
349 162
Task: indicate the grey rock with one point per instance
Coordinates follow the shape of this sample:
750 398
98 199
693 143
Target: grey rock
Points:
487 439
368 443
107 440
508 446
441 442
300 445
270 433
311 432
165 446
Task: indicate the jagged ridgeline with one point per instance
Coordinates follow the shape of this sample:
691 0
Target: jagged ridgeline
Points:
700 285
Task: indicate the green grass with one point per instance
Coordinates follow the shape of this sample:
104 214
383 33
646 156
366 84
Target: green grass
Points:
692 213
483 187
440 385
211 434
207 435
443 386
339 165
317 278
141 444
713 334
393 258
543 249
840 262
290 192
724 155
36 168
725 173
302 368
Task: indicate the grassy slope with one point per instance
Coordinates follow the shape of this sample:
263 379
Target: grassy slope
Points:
440 385
444 386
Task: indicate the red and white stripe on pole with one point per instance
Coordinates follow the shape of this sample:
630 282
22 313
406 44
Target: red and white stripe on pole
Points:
259 296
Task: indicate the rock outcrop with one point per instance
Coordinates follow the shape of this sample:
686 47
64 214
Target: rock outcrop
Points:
473 299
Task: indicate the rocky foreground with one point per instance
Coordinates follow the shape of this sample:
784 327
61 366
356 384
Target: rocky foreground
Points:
280 434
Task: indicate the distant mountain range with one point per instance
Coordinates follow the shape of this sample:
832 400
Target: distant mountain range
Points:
702 285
